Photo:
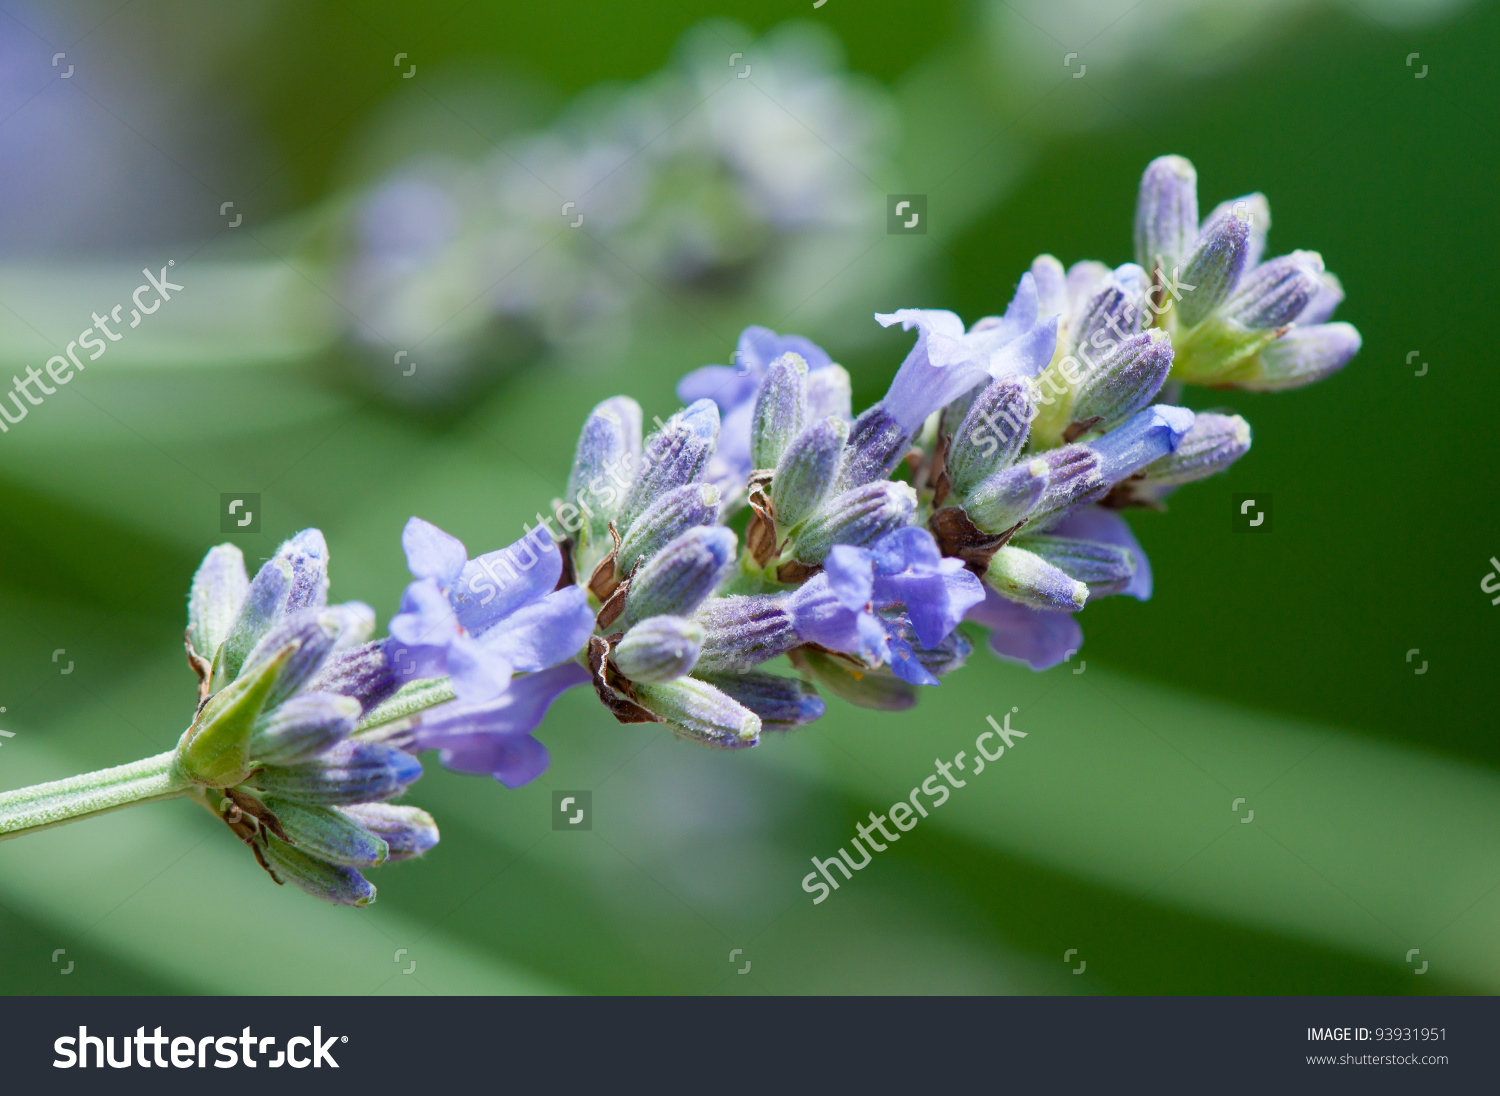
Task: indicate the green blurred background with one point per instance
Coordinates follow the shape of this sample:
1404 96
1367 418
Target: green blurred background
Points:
1272 668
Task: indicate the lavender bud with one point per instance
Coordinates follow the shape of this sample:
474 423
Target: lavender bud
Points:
742 631
1126 381
703 713
858 516
1073 478
1103 568
674 455
781 702
779 410
1256 213
807 470
1166 213
365 673
406 831
658 649
219 586
303 727
876 443
679 577
1272 295
1051 286
1007 496
1114 312
1212 445
330 882
1029 579
829 394
991 434
351 772
609 448
1304 355
317 634
261 607
328 834
669 516
1214 267
307 552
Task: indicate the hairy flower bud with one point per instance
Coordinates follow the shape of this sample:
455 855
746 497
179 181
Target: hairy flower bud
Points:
661 648
1125 381
1214 267
1273 294
992 432
1029 579
609 449
807 470
302 728
829 393
1303 355
675 455
1166 213
675 512
741 632
328 834
406 831
219 586
702 712
1073 478
307 553
262 606
1007 496
858 516
331 882
1103 568
1212 445
876 442
781 702
317 633
677 579
351 772
779 410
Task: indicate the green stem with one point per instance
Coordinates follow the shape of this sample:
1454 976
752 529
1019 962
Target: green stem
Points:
41 806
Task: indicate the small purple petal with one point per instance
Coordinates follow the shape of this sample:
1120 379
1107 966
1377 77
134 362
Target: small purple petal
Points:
545 632
432 553
849 575
478 675
1039 638
496 584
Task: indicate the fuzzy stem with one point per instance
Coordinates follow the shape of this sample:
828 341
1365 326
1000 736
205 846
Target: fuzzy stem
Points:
41 806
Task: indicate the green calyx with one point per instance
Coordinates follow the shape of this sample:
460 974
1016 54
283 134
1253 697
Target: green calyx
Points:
215 751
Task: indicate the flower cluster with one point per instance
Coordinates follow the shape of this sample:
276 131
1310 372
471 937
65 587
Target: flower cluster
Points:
276 746
763 521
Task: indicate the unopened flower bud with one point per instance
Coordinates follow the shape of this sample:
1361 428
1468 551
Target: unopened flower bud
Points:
331 882
876 442
677 579
351 772
262 606
1166 213
1272 294
1125 382
406 831
219 587
675 512
1029 579
317 633
366 672
307 552
863 689
675 455
1007 496
605 462
302 727
781 702
829 394
328 834
1214 267
1212 445
740 632
779 410
858 516
658 649
807 470
1255 211
1304 355
1073 478
1102 568
700 711
992 432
